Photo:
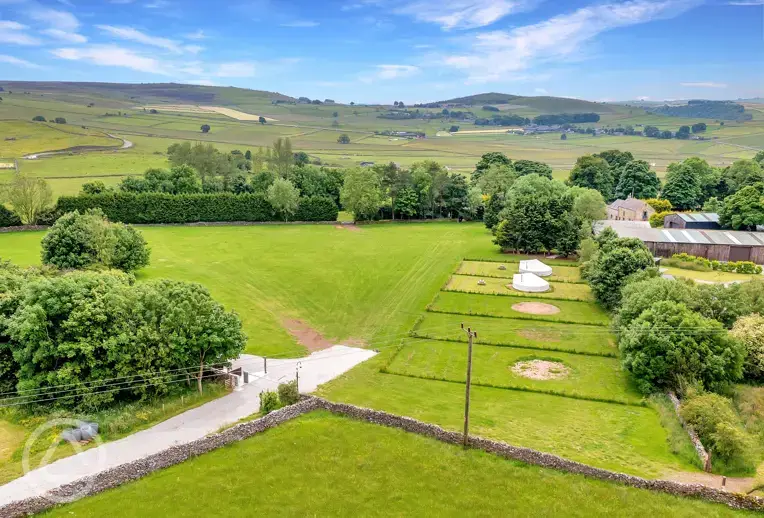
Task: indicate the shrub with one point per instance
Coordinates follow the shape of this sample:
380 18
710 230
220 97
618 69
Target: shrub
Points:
749 330
288 393
47 216
616 260
656 220
669 342
269 401
38 118
130 251
8 218
660 205
691 262
714 419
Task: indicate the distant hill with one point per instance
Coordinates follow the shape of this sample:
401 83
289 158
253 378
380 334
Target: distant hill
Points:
541 104
724 110
149 92
481 99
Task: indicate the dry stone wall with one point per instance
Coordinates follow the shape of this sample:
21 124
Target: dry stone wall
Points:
178 454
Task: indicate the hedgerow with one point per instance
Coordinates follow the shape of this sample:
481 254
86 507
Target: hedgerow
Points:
155 207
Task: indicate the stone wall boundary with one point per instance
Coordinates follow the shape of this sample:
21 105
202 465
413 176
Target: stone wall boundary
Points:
703 455
132 471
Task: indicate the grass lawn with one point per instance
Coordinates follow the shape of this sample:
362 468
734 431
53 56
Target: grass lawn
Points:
346 284
325 465
488 305
519 333
588 377
559 290
491 269
712 276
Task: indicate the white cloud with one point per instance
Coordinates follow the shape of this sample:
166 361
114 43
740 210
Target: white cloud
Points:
301 24
196 35
55 19
704 84
70 37
386 72
18 62
14 33
131 34
113 56
501 55
236 69
541 91
157 4
746 2
462 14
193 49
643 98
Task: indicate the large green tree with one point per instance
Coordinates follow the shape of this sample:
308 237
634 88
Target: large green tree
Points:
593 173
744 209
82 240
284 197
682 187
743 173
486 161
669 344
538 216
29 196
636 179
526 167
611 266
361 193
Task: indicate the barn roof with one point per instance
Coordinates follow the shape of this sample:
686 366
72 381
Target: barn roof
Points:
699 217
676 235
629 203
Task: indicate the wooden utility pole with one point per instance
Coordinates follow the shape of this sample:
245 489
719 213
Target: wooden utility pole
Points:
297 377
470 335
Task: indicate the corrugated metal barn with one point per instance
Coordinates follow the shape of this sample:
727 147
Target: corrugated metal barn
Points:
693 220
721 245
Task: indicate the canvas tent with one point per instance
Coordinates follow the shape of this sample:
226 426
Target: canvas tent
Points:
529 282
535 267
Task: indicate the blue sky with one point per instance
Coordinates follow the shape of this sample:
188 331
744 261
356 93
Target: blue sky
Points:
385 50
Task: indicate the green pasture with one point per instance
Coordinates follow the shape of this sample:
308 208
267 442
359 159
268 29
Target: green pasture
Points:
587 377
347 285
535 334
321 465
487 305
503 287
491 269
19 138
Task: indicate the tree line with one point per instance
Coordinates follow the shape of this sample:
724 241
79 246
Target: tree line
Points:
694 339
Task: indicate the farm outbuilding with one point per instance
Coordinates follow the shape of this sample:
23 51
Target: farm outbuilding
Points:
695 220
720 245
630 209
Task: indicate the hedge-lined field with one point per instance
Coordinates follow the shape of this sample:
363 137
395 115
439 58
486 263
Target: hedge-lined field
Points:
155 207
324 465
589 377
534 334
493 286
486 305
491 269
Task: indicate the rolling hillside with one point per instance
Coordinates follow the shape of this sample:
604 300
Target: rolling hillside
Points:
539 104
146 93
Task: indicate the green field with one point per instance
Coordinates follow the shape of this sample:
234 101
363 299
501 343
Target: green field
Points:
347 285
536 334
324 465
481 305
499 286
589 377
491 269
310 128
